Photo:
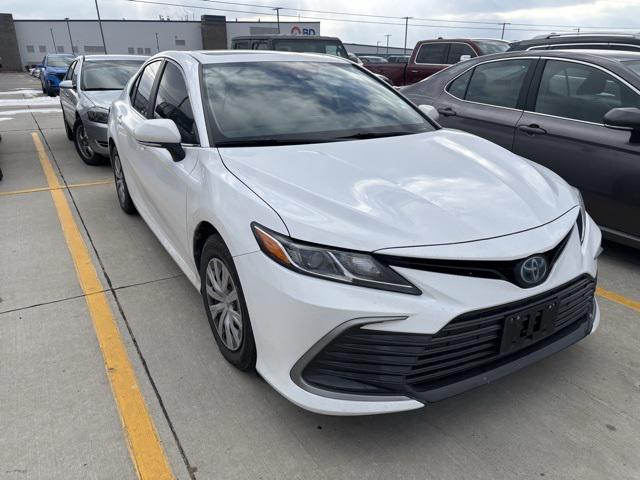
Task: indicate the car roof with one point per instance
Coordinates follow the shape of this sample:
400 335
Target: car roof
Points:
98 58
234 56
586 37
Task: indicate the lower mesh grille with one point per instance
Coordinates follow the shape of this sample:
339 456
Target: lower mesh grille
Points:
361 361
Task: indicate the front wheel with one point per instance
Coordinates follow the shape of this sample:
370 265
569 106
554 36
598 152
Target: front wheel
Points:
124 198
225 305
83 145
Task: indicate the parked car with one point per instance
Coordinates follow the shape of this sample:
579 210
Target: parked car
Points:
53 68
398 58
90 86
354 58
583 41
363 259
431 56
292 43
575 112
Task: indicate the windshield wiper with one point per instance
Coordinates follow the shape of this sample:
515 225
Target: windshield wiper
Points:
366 135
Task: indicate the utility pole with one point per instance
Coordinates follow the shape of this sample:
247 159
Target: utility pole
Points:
70 38
277 9
55 48
406 30
504 26
104 45
377 46
388 35
157 42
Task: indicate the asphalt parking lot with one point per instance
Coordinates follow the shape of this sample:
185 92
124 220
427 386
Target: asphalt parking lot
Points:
574 415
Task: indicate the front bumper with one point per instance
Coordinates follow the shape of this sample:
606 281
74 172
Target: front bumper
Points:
54 79
97 133
294 317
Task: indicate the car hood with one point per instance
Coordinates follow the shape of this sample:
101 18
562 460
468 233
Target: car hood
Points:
103 98
433 188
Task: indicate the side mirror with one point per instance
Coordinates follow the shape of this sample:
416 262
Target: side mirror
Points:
430 111
464 57
624 119
67 84
161 133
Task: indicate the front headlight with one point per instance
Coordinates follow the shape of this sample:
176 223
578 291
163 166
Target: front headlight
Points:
98 115
582 218
342 266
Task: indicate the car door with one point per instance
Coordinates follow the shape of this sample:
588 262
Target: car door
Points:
430 58
487 99
166 180
69 96
136 157
563 130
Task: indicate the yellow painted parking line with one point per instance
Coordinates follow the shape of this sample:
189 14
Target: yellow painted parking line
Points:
147 453
59 187
620 299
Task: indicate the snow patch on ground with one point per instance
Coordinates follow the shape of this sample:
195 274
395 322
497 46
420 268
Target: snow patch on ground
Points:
23 91
19 102
27 110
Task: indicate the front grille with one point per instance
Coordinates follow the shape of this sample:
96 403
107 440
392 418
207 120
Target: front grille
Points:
361 361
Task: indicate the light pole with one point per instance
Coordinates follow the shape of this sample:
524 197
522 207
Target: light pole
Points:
406 31
377 46
504 26
69 30
388 35
104 45
55 49
277 9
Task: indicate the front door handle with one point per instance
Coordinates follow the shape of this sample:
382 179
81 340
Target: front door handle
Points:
447 111
532 129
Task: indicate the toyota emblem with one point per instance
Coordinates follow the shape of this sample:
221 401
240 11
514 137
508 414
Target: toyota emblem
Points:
533 270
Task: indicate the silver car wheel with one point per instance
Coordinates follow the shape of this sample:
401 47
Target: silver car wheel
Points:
83 142
224 305
120 185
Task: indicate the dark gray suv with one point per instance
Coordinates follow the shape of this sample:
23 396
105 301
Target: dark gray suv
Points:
575 112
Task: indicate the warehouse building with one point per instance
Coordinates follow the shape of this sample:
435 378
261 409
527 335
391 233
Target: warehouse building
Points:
26 42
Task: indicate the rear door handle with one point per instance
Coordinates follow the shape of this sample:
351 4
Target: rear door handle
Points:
447 112
532 129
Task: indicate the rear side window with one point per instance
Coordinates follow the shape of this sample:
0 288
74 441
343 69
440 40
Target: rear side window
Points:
457 50
142 94
580 92
498 83
172 102
458 87
432 53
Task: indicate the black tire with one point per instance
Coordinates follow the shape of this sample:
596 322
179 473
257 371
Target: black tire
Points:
122 191
44 90
50 91
85 152
244 356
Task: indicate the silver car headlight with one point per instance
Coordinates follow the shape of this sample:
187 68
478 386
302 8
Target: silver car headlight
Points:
98 115
582 218
342 266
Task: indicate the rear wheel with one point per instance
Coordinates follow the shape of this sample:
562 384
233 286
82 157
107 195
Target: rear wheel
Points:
124 199
83 146
225 305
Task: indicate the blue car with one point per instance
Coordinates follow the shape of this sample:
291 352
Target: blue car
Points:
53 68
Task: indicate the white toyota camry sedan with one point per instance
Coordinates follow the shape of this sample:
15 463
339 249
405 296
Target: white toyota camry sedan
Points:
361 258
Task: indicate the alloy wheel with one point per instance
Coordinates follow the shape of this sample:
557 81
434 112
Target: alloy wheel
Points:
223 303
119 175
83 142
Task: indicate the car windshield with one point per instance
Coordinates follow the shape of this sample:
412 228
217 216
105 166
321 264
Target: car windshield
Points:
329 47
633 65
491 46
108 74
270 103
60 61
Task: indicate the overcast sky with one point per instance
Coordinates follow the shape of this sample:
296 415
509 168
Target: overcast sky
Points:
614 14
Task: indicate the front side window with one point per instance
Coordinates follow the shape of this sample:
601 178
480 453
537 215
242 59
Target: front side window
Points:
108 74
581 92
172 102
457 50
142 95
432 53
498 83
302 102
